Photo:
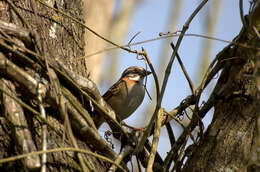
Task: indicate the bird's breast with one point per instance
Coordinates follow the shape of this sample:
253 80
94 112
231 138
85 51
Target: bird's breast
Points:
129 101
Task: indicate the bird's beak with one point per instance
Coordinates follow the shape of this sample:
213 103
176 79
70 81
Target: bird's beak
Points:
148 73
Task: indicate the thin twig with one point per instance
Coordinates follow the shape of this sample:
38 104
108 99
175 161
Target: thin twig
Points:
241 12
187 23
148 147
156 136
140 145
170 133
73 101
256 31
184 29
129 43
184 70
153 72
181 124
167 73
127 151
24 105
138 164
70 133
15 158
88 28
189 101
173 152
14 113
19 54
170 35
44 132
177 164
43 44
18 14
99 107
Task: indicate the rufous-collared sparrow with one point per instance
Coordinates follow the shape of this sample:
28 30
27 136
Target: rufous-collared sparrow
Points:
126 94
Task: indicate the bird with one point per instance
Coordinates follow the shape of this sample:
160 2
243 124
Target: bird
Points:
126 95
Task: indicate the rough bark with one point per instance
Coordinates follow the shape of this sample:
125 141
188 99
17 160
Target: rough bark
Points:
57 39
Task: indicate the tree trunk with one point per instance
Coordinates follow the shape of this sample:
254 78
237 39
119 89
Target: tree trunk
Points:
57 38
228 142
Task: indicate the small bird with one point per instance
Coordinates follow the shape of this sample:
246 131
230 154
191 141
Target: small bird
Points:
126 94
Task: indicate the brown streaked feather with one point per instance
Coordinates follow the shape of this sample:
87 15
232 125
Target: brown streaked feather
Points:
114 90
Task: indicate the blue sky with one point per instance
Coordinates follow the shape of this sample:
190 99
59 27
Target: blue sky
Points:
150 17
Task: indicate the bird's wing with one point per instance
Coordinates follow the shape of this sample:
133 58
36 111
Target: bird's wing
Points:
114 90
